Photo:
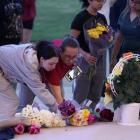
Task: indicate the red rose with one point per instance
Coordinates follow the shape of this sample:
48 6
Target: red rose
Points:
19 129
106 115
34 129
98 110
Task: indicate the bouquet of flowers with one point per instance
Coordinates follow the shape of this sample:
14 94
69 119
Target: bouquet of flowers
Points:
104 114
42 117
75 116
124 80
82 117
67 109
21 129
98 37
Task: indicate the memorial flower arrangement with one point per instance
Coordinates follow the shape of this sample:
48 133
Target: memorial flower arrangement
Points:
98 37
21 129
76 116
124 81
82 117
104 114
43 118
101 32
67 109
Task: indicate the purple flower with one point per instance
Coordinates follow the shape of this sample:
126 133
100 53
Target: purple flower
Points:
66 108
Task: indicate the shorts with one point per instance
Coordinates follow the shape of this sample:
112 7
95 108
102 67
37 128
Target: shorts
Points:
28 24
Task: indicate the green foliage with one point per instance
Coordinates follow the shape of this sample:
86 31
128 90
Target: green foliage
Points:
127 84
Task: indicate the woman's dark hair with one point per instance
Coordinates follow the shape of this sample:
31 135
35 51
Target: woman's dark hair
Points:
85 3
69 41
46 50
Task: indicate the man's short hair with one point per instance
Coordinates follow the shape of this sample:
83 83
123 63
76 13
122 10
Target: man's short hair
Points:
69 41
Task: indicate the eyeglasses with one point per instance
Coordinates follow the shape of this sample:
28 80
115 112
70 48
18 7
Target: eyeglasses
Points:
70 57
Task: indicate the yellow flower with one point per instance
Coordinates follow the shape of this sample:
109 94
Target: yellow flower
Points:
117 71
101 27
86 113
93 33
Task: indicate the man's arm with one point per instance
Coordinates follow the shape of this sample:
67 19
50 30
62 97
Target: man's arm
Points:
57 92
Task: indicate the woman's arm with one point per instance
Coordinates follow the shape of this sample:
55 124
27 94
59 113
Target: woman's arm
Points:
88 57
117 45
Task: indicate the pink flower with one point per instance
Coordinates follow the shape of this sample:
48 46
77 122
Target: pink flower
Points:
19 129
91 118
34 129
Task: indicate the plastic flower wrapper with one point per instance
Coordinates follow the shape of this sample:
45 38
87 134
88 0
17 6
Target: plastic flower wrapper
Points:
67 109
98 37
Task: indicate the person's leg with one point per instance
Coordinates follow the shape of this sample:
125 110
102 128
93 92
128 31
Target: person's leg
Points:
8 98
26 96
81 88
27 31
82 83
27 34
97 83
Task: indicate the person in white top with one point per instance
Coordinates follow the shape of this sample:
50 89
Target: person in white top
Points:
21 64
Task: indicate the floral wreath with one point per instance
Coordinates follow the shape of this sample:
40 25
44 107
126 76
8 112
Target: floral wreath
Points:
119 67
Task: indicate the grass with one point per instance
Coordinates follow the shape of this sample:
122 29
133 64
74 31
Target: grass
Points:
54 18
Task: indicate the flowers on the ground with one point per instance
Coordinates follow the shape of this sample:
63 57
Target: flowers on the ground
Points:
104 114
82 117
34 129
67 109
42 117
21 129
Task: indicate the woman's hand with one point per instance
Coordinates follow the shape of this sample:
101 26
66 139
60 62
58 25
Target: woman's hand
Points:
89 58
53 108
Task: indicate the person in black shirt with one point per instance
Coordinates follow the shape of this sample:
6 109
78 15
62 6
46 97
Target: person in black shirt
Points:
10 21
87 88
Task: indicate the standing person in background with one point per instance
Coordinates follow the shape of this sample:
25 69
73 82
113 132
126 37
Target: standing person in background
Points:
21 64
127 38
117 6
85 88
29 14
10 21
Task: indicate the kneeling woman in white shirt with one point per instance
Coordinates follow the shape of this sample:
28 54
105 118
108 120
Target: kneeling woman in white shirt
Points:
21 63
